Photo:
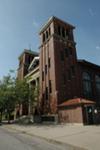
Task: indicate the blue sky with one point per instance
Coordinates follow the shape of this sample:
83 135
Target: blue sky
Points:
20 21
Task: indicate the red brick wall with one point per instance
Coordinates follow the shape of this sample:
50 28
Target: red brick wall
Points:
71 115
53 47
46 52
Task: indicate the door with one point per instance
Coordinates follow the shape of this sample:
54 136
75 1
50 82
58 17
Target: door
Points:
90 118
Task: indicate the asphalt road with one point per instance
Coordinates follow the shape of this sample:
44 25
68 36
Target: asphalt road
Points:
14 140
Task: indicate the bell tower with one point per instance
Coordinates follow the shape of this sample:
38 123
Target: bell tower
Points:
57 64
24 61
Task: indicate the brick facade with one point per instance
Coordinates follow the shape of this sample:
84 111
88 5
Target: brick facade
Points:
55 47
61 73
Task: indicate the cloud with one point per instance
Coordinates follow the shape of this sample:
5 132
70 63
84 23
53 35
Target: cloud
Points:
35 24
91 12
98 47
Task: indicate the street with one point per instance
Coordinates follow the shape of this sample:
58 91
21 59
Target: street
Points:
14 140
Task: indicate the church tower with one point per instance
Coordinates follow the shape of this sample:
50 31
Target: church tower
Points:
24 61
58 62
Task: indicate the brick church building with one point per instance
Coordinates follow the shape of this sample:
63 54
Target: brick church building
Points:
69 87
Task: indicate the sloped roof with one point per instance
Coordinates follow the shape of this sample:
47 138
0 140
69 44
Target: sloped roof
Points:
76 101
29 52
85 62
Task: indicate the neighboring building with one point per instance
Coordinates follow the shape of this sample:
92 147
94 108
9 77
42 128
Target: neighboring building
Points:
24 61
33 81
28 68
69 88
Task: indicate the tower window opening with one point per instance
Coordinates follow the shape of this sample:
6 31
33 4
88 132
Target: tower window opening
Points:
49 31
64 79
73 70
66 52
46 93
45 69
43 37
70 51
59 30
63 32
69 74
50 86
62 56
46 34
49 62
42 75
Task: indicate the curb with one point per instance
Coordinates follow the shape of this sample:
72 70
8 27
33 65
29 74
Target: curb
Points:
72 147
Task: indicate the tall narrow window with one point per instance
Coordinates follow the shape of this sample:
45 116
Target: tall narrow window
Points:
43 96
87 85
64 79
71 35
49 31
73 70
66 52
49 62
42 75
50 86
59 30
69 74
43 37
97 80
45 69
70 51
46 34
46 93
67 33
62 56
63 32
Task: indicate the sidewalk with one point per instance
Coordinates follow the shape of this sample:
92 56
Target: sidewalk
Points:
87 137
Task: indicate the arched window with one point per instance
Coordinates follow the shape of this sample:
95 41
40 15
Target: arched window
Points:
87 86
97 80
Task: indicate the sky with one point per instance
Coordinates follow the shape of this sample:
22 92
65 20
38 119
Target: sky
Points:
21 20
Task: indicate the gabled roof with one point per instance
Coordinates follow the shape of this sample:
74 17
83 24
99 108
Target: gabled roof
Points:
29 52
85 62
76 101
33 61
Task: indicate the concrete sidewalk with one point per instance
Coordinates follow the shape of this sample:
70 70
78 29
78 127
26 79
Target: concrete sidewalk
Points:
87 137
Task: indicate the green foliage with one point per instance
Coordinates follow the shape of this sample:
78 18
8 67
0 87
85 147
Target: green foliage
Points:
13 91
22 91
7 94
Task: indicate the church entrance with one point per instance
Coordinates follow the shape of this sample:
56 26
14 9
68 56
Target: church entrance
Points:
89 114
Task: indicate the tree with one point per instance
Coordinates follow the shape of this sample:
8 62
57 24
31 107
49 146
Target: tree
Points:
13 92
22 92
7 95
2 106
33 98
10 101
